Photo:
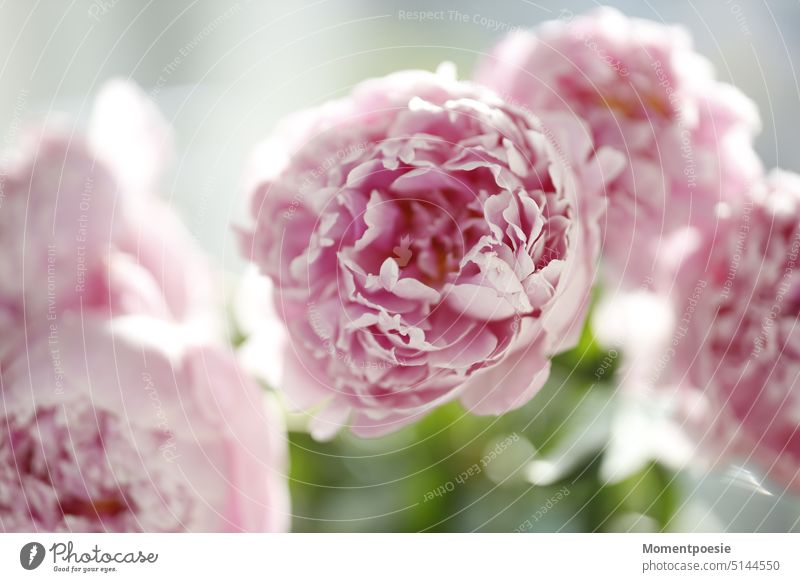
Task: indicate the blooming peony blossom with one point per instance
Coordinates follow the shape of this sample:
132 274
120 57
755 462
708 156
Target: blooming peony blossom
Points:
426 242
736 345
643 90
81 230
121 426
131 138
261 351
120 412
55 226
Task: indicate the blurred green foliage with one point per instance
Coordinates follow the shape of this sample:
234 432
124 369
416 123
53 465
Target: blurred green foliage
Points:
419 479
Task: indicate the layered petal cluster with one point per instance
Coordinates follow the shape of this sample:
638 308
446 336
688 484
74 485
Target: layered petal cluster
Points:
121 409
736 350
643 90
426 241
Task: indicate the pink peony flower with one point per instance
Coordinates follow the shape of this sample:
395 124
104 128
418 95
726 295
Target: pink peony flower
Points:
130 137
426 242
644 91
119 410
82 231
55 226
736 346
121 426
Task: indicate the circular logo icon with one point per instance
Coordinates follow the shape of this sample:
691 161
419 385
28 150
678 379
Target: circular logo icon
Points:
31 555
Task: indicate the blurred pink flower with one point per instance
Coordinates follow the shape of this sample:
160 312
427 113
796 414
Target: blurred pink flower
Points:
120 411
157 268
644 91
55 226
736 348
426 242
129 136
119 425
